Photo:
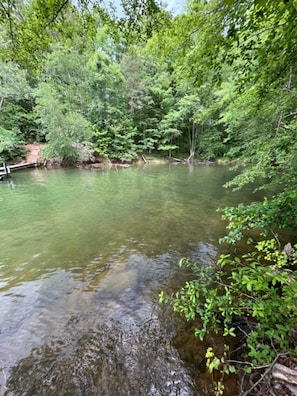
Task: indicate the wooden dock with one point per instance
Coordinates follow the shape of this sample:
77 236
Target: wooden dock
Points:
5 170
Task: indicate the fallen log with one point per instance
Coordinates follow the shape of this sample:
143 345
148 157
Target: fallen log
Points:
286 374
178 160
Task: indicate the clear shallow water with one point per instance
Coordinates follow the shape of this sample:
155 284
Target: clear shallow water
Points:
83 256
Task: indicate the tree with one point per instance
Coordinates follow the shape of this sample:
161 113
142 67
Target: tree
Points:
62 103
148 87
107 109
62 127
141 19
13 84
32 27
244 50
14 92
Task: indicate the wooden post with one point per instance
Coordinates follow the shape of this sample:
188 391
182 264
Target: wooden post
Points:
6 170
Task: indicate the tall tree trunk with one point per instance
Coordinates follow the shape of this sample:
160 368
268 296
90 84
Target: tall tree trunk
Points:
192 141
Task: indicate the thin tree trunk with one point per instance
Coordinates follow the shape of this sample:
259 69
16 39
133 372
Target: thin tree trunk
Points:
1 102
192 139
290 80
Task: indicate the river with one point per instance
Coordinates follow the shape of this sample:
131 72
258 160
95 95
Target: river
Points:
84 254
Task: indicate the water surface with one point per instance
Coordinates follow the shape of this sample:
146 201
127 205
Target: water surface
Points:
83 257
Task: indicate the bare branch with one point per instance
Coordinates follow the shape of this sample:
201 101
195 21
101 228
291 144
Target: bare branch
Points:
263 375
56 14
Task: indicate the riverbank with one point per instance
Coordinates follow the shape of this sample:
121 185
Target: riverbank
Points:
34 151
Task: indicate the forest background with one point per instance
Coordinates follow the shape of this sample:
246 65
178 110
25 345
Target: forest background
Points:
216 80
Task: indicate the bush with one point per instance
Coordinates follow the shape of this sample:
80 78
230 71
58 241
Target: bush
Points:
10 148
252 298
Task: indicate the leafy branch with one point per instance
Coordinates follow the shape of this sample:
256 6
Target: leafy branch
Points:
250 298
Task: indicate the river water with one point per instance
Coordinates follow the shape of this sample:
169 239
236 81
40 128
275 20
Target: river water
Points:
83 256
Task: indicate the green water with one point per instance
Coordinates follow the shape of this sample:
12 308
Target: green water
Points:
83 257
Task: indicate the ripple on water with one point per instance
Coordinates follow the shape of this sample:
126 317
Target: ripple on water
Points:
109 342
105 361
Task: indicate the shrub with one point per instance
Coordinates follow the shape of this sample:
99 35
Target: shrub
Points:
252 298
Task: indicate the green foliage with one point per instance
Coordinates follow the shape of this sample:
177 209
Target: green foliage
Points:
15 95
14 85
141 19
9 145
252 297
62 127
268 217
32 27
61 134
122 144
151 98
215 363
